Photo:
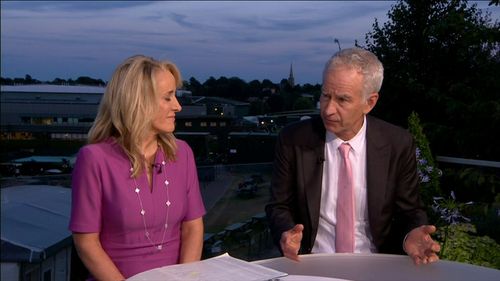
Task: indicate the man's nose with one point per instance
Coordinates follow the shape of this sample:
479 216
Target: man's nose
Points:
331 108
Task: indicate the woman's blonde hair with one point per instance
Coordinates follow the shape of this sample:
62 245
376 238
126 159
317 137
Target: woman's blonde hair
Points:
128 107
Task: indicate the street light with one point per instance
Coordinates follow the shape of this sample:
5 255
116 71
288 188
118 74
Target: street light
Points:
335 40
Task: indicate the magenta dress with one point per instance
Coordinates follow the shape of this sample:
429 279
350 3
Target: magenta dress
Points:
104 201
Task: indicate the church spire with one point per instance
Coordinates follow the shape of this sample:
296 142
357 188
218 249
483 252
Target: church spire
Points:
291 80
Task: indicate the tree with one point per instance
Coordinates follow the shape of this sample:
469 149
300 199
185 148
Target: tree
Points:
266 83
28 79
6 81
276 103
85 80
195 87
255 88
237 89
303 103
58 81
441 60
210 87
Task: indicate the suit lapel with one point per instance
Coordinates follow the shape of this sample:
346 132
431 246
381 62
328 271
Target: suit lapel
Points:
378 156
312 170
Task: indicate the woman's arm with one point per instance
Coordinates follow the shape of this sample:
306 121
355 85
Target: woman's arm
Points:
95 258
191 240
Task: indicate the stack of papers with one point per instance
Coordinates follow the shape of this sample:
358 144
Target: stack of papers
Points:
220 268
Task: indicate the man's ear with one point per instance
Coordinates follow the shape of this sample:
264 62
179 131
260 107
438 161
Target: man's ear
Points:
371 102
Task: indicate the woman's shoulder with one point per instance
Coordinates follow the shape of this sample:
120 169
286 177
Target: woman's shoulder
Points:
100 149
182 147
99 146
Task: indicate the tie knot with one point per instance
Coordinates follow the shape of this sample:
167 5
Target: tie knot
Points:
344 149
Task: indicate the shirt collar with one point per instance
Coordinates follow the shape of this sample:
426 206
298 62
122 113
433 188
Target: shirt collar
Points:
356 142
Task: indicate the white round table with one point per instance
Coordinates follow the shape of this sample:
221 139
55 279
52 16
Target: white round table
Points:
374 267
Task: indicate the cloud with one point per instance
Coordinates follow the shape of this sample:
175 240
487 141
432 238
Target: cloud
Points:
248 39
71 6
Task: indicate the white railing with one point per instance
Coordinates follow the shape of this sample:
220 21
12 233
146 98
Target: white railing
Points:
472 162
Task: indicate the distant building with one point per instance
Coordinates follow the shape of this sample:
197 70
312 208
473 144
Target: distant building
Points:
291 79
67 112
48 111
36 243
63 112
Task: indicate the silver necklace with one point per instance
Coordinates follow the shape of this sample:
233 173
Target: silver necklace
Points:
137 190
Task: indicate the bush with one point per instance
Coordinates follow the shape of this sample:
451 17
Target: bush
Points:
460 242
428 171
458 236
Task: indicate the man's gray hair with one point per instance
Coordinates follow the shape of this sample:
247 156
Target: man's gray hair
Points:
364 62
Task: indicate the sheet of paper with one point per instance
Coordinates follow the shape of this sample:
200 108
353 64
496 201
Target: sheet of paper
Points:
220 268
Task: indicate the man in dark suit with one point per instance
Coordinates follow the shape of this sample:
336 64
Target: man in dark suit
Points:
387 215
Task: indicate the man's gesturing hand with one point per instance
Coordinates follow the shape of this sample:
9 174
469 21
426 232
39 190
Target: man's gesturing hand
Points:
290 242
420 246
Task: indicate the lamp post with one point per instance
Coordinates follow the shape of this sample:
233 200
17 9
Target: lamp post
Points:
335 40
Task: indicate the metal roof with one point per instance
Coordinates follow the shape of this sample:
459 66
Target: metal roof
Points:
34 222
45 159
205 100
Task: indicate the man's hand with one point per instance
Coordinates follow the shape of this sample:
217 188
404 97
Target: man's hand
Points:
290 242
420 246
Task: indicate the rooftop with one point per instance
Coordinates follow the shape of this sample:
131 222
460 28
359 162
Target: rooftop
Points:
34 221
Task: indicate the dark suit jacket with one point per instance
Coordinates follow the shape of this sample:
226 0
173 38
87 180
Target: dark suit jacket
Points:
394 205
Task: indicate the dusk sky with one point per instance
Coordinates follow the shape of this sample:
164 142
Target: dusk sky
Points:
250 40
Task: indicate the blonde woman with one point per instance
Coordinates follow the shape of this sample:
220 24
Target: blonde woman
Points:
136 200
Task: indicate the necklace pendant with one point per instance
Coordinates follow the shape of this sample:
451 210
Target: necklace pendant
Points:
137 190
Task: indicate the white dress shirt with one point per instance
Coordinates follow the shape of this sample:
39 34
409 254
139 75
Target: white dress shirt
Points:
325 238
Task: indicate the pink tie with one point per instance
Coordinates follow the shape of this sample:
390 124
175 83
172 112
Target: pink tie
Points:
344 230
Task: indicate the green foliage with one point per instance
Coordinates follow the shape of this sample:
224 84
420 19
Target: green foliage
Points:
442 59
459 242
457 235
486 219
459 239
428 172
28 80
479 184
303 103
